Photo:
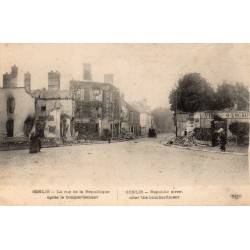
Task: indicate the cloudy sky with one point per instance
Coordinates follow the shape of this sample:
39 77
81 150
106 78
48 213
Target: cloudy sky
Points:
140 70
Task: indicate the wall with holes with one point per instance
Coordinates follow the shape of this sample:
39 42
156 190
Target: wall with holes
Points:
16 105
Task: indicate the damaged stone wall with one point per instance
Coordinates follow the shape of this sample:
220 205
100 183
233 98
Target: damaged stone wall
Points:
97 108
22 108
52 125
58 115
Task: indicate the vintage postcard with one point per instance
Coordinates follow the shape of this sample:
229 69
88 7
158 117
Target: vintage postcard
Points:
124 124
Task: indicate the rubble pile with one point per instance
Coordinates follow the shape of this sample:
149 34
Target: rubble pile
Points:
183 141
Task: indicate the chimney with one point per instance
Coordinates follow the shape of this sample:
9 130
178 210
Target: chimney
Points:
108 78
6 80
14 75
87 76
27 81
54 80
10 80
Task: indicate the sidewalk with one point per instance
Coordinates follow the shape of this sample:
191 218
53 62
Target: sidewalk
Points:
235 150
24 144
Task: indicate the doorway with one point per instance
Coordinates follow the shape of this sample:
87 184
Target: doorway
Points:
10 127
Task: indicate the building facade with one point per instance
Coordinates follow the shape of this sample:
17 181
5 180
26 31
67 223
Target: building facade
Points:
146 119
133 120
17 108
97 109
205 125
220 119
124 116
54 110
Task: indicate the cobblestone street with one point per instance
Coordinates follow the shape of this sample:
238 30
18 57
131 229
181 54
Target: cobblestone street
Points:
135 162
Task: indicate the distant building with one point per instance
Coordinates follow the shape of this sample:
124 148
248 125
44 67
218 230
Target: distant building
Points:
133 120
17 108
146 119
124 116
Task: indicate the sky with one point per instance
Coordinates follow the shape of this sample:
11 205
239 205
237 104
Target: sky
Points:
140 70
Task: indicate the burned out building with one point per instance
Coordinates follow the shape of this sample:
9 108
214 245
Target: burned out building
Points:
97 108
17 108
54 110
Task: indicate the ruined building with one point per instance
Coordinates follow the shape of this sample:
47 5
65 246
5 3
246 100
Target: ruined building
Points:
54 110
17 107
97 108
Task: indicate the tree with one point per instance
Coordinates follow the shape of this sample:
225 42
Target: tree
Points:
163 119
227 95
192 94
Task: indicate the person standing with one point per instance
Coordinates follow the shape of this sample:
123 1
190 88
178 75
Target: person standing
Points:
109 137
222 140
35 143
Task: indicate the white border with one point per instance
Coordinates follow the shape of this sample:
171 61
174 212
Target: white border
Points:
124 227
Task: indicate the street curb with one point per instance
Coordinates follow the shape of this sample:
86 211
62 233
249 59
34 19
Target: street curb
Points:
67 145
205 150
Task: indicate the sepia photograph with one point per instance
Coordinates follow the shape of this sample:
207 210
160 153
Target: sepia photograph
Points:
124 124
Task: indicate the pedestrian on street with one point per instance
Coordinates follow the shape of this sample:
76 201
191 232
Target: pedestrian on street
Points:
222 139
35 143
109 138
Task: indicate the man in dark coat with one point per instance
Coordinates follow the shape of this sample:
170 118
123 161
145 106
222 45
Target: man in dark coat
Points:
222 140
109 137
35 143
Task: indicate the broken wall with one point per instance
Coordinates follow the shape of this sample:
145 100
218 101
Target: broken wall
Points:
24 107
